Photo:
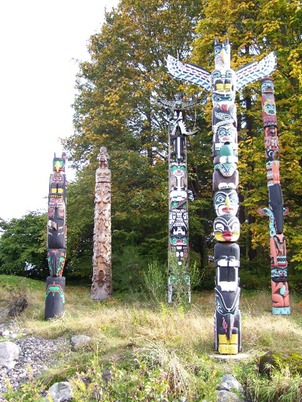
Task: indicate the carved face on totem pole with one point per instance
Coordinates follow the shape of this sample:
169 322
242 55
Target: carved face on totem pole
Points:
226 228
223 89
59 163
226 202
227 161
222 54
225 133
269 112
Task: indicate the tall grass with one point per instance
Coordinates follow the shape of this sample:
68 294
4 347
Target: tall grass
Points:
143 346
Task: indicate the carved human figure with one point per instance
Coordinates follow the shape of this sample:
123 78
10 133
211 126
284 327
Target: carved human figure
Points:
101 287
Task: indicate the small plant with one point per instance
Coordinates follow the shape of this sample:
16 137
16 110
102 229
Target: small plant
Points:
179 283
155 281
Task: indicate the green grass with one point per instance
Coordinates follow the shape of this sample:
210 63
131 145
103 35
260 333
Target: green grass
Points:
152 351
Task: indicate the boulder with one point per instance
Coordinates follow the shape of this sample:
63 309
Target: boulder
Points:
61 392
9 353
229 383
276 361
227 396
79 342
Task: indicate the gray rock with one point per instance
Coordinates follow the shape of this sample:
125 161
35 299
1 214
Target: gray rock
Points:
79 342
229 383
61 391
9 353
36 355
227 396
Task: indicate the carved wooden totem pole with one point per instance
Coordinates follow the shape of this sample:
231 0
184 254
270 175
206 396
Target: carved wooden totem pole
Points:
275 212
101 287
178 236
223 83
56 239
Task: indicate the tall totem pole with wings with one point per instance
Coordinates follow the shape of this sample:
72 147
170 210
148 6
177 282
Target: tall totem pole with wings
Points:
223 83
56 239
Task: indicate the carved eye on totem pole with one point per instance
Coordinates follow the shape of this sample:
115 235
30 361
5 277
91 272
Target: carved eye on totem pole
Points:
226 228
226 202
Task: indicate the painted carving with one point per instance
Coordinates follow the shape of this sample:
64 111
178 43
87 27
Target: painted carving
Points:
178 243
56 239
276 210
223 82
101 287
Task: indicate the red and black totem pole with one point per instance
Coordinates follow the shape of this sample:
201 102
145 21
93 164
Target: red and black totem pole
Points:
223 82
276 210
56 239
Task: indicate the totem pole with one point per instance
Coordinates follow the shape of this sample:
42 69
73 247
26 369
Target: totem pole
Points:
101 287
223 83
56 239
275 212
178 236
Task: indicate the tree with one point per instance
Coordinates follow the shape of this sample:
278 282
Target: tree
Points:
23 246
116 107
254 31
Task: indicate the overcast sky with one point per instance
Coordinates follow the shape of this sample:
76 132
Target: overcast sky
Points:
40 43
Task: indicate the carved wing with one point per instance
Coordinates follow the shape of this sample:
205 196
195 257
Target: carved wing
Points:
255 71
189 72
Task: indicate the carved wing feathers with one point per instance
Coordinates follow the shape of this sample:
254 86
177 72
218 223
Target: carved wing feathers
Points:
189 72
255 71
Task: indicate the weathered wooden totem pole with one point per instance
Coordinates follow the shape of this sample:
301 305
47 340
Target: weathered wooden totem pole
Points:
101 287
178 236
56 239
275 212
223 83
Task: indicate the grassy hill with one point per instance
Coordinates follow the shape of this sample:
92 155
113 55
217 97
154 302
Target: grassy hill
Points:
146 350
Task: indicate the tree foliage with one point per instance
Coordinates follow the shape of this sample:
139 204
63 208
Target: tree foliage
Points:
117 107
23 246
254 31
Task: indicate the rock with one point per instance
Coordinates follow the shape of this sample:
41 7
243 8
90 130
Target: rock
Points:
276 361
227 396
79 342
229 383
17 308
36 355
9 353
61 391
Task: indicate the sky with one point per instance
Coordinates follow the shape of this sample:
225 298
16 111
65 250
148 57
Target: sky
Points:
41 43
